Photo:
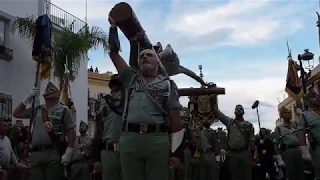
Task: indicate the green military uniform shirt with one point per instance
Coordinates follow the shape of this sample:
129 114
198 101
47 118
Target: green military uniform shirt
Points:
112 121
83 147
140 108
288 135
311 120
40 136
238 137
206 138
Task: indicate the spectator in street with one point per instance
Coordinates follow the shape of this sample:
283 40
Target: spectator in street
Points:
265 149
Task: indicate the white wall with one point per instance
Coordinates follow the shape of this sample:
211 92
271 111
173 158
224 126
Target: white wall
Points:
17 76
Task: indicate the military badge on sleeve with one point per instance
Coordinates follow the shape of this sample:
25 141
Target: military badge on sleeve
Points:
48 126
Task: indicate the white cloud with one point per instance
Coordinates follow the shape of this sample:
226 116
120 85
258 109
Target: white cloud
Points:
198 25
236 23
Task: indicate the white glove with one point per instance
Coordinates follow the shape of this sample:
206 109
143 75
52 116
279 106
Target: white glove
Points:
305 152
33 93
21 165
218 158
279 160
66 158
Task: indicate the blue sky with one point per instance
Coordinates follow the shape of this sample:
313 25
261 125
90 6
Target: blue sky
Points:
240 44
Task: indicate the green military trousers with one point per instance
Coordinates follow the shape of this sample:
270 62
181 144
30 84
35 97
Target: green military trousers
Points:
144 157
316 161
207 167
293 161
240 165
46 165
187 158
110 162
80 171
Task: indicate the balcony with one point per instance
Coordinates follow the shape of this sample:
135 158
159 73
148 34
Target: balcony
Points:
63 19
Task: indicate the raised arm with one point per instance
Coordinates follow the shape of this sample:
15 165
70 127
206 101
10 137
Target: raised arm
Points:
21 111
114 45
227 121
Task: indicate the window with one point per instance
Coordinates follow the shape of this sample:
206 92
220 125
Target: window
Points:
2 32
5 107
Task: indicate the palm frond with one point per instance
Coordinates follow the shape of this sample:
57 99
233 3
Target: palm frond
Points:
66 45
96 38
25 27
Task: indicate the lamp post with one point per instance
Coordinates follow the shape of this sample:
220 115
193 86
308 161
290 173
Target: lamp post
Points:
306 61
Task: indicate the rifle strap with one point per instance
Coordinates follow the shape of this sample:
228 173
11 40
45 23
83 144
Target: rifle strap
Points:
311 137
45 120
280 136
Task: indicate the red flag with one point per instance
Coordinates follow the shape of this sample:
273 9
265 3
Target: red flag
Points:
293 85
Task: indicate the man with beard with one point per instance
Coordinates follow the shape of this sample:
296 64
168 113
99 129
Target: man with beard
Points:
309 123
79 167
51 124
265 152
108 131
240 134
152 106
285 137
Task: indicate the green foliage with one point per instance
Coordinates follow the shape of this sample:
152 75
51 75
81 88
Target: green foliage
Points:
65 44
222 138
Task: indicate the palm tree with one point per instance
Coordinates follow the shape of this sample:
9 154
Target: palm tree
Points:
65 45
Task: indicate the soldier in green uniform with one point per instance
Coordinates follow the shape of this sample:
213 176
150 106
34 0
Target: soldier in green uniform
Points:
309 123
207 160
287 143
79 169
51 124
152 109
240 134
108 129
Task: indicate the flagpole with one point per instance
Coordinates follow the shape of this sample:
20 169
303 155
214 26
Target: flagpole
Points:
86 11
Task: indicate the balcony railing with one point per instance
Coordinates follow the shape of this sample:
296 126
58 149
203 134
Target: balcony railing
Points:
62 18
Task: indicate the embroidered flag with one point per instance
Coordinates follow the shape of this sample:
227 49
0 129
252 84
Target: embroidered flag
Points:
293 82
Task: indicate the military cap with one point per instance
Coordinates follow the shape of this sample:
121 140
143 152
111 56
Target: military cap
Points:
82 122
114 81
50 89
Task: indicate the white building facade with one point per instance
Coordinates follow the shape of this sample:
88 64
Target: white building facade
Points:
17 69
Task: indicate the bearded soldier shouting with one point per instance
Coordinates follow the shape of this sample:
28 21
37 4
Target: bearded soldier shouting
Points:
152 106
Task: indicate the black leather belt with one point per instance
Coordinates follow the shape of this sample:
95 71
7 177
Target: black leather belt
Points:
240 150
143 128
205 151
291 146
42 148
110 146
77 161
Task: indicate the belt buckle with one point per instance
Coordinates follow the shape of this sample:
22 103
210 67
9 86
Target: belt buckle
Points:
115 147
143 129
